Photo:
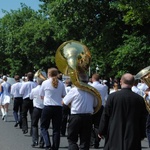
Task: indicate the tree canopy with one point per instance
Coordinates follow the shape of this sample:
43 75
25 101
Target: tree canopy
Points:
116 32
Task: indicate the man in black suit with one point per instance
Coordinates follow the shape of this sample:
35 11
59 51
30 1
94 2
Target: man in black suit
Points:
123 120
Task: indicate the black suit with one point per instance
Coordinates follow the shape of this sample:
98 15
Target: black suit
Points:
123 121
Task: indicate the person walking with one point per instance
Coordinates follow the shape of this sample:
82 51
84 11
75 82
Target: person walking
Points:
123 122
36 115
5 97
147 98
1 101
27 105
17 97
65 109
115 88
82 105
136 89
103 90
52 91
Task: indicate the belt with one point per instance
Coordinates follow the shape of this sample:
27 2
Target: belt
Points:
82 114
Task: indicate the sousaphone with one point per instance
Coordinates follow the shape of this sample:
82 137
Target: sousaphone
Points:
72 58
144 75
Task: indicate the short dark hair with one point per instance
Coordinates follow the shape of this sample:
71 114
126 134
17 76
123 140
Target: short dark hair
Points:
96 76
17 77
83 77
30 76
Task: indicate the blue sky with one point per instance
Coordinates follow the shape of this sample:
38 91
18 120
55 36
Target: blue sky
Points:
15 5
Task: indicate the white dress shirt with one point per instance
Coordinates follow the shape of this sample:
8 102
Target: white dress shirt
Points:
102 90
137 90
26 89
52 96
142 86
81 101
37 101
15 88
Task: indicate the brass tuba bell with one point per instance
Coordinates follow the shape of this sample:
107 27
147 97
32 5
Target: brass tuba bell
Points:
40 74
73 58
144 75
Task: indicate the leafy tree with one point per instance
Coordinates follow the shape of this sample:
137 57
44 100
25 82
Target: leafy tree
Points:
93 23
116 32
27 41
132 56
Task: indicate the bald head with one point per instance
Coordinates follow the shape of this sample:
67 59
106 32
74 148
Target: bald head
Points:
127 80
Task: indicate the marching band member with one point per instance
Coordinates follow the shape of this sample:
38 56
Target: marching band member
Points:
5 97
80 119
52 91
36 115
27 105
17 97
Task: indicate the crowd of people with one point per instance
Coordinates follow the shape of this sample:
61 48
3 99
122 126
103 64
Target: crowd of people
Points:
122 120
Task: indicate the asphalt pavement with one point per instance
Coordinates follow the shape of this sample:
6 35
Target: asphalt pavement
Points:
12 138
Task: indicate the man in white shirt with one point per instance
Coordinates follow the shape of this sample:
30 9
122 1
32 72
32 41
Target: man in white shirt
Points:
136 89
142 86
27 102
36 115
80 120
103 90
17 97
65 109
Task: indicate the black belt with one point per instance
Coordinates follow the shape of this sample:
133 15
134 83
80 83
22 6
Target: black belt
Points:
82 114
27 99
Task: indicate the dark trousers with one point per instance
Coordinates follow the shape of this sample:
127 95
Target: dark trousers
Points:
17 109
95 140
36 115
80 125
26 106
54 114
65 116
148 128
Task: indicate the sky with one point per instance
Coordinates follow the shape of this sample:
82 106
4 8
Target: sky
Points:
15 5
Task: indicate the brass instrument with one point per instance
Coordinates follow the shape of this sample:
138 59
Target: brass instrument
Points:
144 75
73 58
40 74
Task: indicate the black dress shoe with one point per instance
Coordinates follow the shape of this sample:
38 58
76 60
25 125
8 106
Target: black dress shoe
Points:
41 145
48 148
20 125
16 125
25 131
34 144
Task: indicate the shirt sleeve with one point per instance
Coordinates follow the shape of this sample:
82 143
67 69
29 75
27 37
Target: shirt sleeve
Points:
41 91
69 97
12 90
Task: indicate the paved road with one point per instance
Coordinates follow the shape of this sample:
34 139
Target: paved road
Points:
12 138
